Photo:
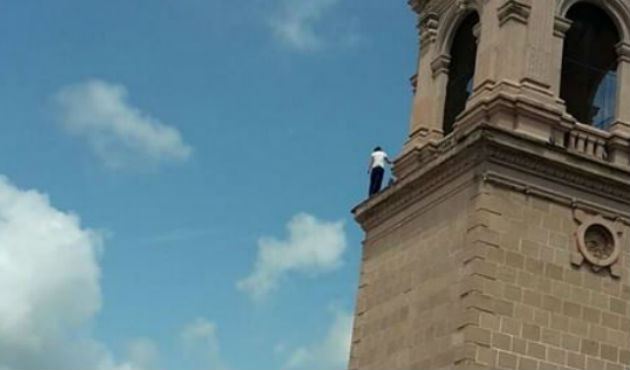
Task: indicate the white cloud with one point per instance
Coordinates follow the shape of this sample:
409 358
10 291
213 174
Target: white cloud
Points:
295 22
49 279
143 354
202 343
331 353
119 133
313 246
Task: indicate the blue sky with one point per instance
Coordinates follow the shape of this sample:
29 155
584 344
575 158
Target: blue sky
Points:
177 177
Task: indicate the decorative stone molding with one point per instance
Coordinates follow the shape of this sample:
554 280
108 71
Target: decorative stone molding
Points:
621 128
417 5
619 148
552 195
623 52
464 5
597 243
413 80
514 10
560 26
428 28
407 192
617 10
560 173
439 163
588 140
440 65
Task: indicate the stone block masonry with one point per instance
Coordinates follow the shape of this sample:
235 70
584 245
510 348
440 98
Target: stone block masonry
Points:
470 265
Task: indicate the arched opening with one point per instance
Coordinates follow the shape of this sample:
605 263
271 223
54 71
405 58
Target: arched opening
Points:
461 71
589 66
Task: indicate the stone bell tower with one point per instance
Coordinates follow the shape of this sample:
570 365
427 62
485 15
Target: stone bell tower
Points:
505 242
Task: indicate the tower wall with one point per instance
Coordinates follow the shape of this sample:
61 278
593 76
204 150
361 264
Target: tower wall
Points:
506 242
409 281
473 262
547 312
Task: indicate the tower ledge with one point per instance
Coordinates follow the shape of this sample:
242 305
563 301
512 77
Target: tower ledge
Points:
518 161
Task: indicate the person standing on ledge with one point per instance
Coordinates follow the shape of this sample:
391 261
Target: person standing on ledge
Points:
376 169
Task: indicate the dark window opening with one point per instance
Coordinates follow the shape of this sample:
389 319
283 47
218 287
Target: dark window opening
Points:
461 71
589 66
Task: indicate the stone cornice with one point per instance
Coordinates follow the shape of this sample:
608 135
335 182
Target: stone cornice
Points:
417 5
485 144
428 28
560 26
413 80
623 52
464 5
440 65
558 171
549 194
408 191
514 10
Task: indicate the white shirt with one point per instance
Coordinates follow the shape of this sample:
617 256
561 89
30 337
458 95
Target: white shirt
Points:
378 159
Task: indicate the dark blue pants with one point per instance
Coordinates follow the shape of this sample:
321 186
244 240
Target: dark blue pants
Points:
376 180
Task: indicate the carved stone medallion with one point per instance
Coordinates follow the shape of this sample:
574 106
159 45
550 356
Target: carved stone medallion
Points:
598 243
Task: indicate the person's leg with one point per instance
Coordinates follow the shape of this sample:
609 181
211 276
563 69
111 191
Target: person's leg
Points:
380 171
372 188
376 179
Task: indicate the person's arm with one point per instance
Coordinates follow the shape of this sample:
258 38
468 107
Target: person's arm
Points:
387 160
370 165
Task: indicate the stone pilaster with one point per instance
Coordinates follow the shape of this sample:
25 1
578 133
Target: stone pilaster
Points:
622 124
431 82
561 26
